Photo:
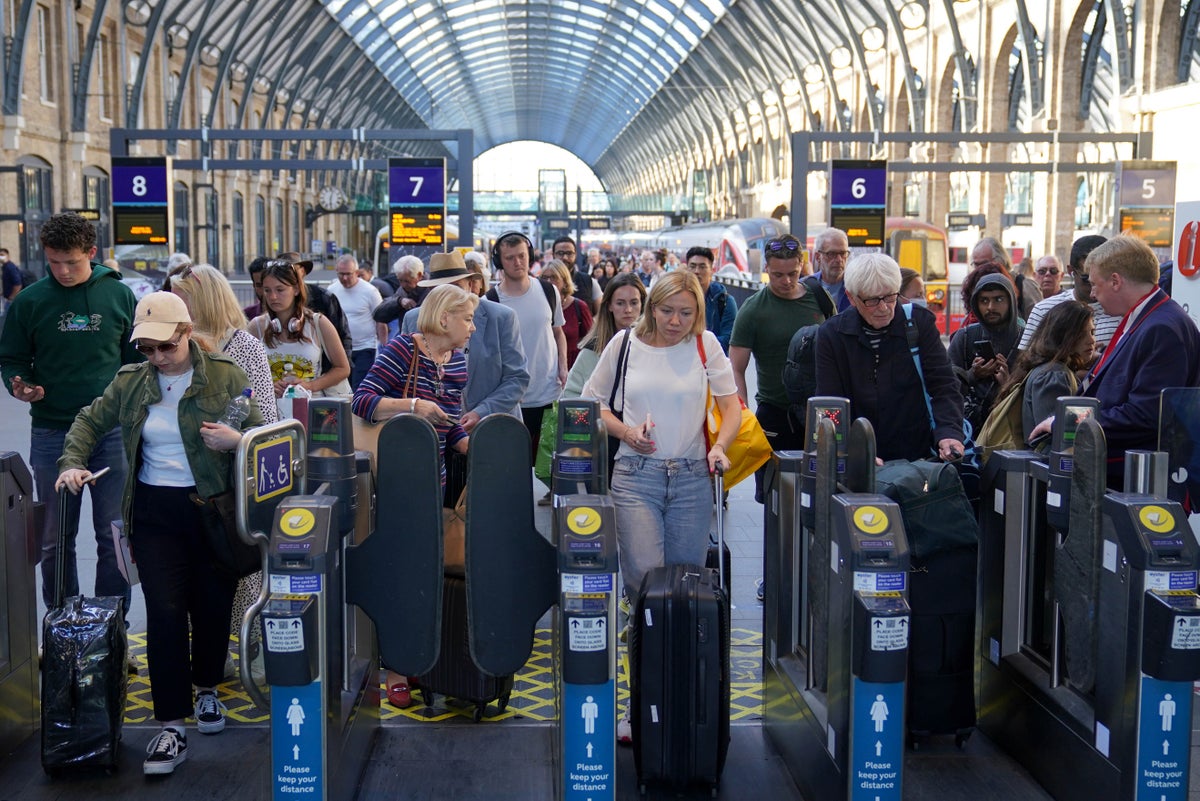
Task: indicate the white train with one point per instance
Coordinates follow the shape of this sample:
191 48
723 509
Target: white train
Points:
731 240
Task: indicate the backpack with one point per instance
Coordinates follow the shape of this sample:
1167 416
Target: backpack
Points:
933 503
548 290
799 374
1004 428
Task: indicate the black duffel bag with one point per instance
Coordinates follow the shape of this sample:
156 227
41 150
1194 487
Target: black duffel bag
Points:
937 515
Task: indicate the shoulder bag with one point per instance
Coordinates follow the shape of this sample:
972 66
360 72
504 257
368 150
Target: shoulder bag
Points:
231 555
750 449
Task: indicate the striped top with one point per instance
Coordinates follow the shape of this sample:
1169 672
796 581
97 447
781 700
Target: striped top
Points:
1106 324
443 385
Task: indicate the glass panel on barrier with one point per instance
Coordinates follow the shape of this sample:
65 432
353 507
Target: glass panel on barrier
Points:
1178 433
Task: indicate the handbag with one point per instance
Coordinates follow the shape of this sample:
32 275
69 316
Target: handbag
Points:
231 554
366 432
750 449
342 388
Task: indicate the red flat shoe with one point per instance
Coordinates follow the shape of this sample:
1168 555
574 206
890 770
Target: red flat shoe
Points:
399 696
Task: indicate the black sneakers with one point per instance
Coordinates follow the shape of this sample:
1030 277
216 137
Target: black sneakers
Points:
164 752
210 713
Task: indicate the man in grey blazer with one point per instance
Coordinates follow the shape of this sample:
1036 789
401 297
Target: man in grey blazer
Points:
496 374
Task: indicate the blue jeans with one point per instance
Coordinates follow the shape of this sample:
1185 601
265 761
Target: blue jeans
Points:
664 511
45 446
360 365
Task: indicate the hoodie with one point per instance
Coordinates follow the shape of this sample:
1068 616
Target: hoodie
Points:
70 340
1004 337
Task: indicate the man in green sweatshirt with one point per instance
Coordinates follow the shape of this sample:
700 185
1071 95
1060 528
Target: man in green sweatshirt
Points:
64 340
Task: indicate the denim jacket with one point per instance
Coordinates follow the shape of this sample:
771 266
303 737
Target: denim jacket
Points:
125 401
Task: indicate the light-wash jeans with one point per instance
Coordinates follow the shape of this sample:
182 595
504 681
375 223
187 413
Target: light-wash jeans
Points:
664 512
45 446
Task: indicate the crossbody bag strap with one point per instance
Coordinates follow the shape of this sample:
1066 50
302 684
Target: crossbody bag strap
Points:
619 381
910 332
410 379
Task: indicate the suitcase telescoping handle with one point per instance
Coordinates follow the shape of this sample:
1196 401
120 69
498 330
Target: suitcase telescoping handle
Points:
64 525
719 496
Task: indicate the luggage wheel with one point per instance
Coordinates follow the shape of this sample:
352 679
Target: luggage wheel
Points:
480 708
428 697
961 736
503 702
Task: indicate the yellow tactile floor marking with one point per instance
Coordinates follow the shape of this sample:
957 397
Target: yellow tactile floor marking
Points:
532 696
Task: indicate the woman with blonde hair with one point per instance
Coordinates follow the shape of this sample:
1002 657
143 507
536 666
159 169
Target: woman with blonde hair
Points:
661 482
220 323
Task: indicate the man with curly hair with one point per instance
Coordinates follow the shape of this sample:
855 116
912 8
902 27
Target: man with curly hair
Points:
64 340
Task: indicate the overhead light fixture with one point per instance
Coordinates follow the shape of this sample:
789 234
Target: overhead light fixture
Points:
873 38
238 70
210 55
137 12
178 35
839 57
813 73
913 15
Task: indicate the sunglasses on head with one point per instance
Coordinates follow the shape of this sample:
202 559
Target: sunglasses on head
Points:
788 247
162 347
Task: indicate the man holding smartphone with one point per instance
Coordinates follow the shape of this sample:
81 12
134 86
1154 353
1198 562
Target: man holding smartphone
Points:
981 353
65 338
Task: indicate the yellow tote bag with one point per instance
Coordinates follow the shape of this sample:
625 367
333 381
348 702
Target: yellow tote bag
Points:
749 450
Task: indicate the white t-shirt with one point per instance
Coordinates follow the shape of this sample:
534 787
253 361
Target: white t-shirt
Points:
164 461
537 340
358 302
669 385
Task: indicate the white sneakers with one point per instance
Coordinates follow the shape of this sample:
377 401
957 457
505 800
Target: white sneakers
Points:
164 752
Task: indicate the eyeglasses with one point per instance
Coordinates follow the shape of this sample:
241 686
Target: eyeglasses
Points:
835 254
783 247
162 347
1081 277
871 303
562 254
1047 271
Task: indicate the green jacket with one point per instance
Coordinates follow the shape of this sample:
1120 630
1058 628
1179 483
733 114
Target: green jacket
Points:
70 340
216 379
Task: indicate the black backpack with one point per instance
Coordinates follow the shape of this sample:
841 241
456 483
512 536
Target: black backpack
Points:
800 372
547 290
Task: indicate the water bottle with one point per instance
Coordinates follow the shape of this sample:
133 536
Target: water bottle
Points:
238 410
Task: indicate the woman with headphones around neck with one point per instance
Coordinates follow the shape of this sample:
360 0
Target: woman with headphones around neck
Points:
293 335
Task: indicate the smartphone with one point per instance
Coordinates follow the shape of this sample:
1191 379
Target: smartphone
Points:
1037 442
99 474
984 350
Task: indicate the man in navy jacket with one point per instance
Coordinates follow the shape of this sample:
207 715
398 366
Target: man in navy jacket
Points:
1156 346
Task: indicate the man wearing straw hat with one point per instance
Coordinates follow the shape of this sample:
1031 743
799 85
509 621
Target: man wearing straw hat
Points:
496 374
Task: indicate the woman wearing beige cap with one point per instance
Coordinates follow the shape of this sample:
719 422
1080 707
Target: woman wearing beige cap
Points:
167 408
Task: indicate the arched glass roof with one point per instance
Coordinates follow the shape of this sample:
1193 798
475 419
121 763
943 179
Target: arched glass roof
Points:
570 72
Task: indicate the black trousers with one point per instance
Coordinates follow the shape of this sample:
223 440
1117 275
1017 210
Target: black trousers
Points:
778 429
180 585
532 417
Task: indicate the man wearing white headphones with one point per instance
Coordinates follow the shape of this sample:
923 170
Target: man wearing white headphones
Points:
540 319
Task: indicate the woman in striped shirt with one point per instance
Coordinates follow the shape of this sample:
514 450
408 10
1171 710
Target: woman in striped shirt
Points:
445 323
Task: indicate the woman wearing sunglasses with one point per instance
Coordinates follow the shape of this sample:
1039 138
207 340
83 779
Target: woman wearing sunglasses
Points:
863 354
167 408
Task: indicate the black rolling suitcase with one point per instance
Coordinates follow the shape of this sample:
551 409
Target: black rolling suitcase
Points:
84 675
941 648
455 673
679 668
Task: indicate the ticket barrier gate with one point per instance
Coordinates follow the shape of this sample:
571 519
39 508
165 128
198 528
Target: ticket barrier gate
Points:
20 543
844 581
1089 620
318 652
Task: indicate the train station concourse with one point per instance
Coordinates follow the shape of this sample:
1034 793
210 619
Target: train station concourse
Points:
372 665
